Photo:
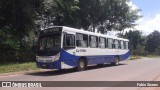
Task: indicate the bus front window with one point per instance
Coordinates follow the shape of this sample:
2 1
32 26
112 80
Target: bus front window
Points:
52 42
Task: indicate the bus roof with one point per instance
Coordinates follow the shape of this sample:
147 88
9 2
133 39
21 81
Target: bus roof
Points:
65 28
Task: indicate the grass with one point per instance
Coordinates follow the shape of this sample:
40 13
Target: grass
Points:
135 57
153 56
17 67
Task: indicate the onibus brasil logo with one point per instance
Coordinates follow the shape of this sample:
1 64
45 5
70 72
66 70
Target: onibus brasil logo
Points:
21 84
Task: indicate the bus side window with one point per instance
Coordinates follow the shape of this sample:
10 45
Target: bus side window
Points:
122 44
116 44
81 40
69 41
102 42
110 43
93 42
127 45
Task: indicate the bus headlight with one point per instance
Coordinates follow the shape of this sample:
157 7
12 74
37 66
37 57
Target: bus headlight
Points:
57 57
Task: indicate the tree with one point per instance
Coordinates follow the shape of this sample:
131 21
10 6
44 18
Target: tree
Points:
61 13
119 15
17 19
107 15
137 42
135 39
90 11
91 14
153 42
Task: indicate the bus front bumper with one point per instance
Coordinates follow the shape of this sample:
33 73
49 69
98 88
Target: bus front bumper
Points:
45 65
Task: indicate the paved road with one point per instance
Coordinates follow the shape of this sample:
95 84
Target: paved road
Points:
137 70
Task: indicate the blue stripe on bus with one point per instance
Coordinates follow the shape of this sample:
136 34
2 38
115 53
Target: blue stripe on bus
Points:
72 60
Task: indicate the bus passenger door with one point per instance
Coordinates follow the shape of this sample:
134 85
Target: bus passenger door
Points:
68 48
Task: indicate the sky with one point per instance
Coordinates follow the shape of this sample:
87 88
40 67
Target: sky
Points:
151 15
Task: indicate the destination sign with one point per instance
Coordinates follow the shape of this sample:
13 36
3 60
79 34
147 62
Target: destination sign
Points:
52 30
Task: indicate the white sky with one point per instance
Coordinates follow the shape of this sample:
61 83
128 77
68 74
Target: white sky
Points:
148 23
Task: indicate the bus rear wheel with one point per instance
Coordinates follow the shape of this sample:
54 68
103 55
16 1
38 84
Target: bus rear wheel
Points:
82 65
116 61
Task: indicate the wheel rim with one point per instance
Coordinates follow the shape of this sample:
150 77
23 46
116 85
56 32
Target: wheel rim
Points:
116 60
81 64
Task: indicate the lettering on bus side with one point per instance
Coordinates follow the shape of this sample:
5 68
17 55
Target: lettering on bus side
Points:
80 50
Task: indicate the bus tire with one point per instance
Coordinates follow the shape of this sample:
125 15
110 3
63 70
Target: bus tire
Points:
82 65
116 61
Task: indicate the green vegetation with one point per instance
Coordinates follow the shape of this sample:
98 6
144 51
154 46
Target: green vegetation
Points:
141 45
135 57
153 56
91 14
21 21
17 67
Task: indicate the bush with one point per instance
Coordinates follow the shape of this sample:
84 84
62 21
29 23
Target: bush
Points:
17 56
140 51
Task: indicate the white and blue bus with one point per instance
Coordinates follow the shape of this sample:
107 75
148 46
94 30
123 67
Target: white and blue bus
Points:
63 47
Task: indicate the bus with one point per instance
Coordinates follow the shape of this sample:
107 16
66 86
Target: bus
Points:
62 47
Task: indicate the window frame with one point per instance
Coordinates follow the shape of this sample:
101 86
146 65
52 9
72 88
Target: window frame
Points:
64 41
112 44
93 41
127 45
122 44
82 40
116 44
106 43
99 42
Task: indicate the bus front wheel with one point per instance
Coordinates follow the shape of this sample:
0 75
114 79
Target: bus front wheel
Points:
82 65
116 61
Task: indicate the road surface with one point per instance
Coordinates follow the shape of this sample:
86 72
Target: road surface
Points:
146 69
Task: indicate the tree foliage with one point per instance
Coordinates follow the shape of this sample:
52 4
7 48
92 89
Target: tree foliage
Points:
108 14
135 37
137 42
17 19
142 45
91 14
153 42
20 21
61 13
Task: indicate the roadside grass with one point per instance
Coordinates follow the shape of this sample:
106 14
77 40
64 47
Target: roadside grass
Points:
17 67
135 57
153 56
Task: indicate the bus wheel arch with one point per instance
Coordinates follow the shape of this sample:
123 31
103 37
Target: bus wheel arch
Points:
116 61
82 63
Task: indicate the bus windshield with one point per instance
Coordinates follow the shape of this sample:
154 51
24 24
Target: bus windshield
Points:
50 42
